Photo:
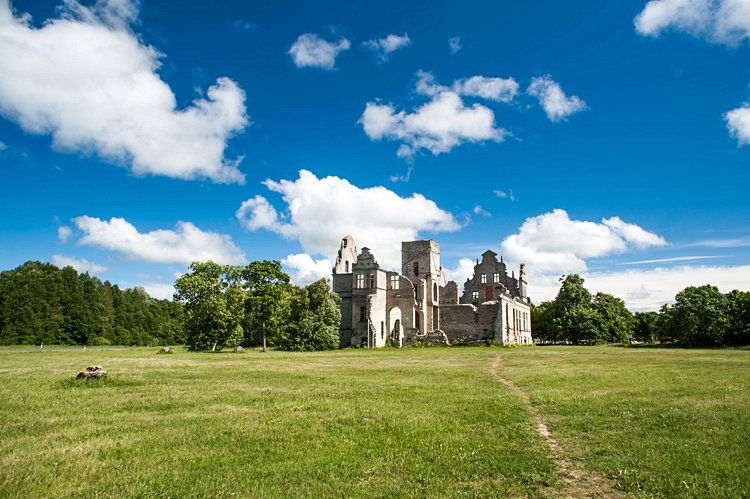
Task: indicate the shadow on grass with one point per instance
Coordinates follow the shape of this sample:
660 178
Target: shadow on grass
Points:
675 346
93 383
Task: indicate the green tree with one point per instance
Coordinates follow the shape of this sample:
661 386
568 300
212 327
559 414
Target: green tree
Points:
644 326
214 305
315 319
664 327
574 314
699 316
268 300
738 327
543 327
616 319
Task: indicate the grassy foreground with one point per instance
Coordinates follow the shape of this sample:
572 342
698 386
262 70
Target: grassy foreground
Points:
422 422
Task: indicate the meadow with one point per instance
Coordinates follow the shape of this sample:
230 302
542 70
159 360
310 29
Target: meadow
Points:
473 421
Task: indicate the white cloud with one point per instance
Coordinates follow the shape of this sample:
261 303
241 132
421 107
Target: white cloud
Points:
738 242
312 51
719 21
738 123
675 259
454 44
319 212
63 233
160 291
478 210
93 85
81 265
648 289
257 213
3 146
634 235
464 270
553 100
304 270
490 88
495 89
384 46
186 244
402 178
552 242
437 126
505 195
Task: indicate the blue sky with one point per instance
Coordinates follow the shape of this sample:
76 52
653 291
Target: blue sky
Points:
611 139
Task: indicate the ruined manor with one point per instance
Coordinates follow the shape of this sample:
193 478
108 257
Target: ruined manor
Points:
417 305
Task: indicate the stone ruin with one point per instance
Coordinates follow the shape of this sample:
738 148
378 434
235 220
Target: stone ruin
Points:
92 372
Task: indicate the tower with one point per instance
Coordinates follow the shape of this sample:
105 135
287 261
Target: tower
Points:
420 263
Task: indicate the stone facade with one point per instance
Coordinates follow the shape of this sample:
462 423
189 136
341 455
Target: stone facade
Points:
417 305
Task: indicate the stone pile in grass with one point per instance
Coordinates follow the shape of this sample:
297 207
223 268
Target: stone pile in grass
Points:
92 372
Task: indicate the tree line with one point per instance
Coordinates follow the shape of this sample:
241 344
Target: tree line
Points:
43 304
215 307
255 305
701 316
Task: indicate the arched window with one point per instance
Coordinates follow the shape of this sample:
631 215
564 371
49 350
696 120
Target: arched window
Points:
434 292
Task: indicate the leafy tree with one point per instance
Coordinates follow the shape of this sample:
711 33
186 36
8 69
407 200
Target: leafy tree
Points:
644 326
268 300
574 313
616 319
699 316
664 327
315 319
544 329
738 318
214 305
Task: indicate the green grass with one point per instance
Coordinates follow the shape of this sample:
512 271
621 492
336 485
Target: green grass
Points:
662 422
410 422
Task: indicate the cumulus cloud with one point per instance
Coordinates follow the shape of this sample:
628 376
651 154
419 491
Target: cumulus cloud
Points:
437 126
738 123
81 265
384 46
454 44
490 88
92 84
553 100
464 270
319 212
63 233
304 270
186 244
495 89
552 242
719 21
312 51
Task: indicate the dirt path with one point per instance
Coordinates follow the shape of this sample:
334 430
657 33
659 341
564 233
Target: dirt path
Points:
576 482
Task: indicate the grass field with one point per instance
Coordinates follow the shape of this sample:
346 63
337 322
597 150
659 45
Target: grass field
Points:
410 422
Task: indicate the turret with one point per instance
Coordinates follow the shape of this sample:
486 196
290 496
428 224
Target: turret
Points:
522 281
346 256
